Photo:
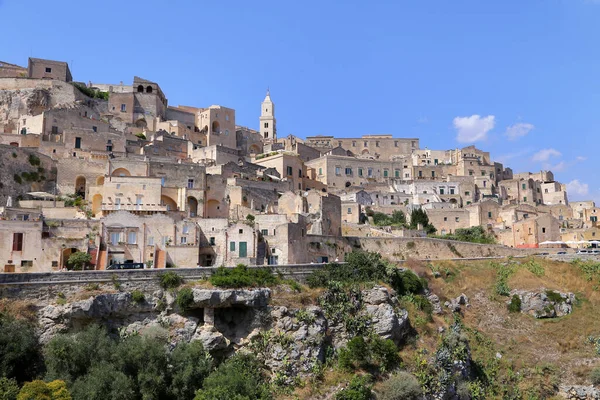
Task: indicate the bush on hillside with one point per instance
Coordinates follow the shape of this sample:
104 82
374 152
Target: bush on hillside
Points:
400 386
373 354
242 276
359 388
20 356
169 280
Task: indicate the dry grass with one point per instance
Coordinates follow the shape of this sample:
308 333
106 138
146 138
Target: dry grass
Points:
283 295
527 341
333 380
21 309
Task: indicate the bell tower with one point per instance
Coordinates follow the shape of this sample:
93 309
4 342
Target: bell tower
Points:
268 128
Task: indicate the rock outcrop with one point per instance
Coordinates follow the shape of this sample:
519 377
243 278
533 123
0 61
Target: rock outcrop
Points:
545 303
576 392
456 305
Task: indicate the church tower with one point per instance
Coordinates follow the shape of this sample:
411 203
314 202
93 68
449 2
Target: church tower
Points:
268 129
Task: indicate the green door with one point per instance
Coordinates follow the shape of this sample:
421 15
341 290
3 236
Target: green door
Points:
243 250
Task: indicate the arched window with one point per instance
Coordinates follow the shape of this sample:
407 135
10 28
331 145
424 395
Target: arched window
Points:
216 128
149 89
141 89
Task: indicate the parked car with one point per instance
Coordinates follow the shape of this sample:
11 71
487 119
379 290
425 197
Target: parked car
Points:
582 252
561 252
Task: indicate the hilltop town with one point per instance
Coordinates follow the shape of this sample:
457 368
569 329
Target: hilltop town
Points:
114 171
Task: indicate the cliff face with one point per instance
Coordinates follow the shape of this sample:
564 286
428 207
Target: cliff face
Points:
291 341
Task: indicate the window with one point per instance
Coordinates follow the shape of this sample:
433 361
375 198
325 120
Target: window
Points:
370 172
457 219
17 242
467 193
243 250
435 161
95 128
471 172
212 241
289 171
190 184
55 130
353 143
162 181
26 263
385 173
397 173
240 231
118 186
48 69
545 190
523 186
123 107
348 171
115 238
543 230
420 174
395 143
594 219
441 190
433 174
489 214
407 175
185 230
165 240
77 142
484 183
320 171
264 232
338 170
266 125
231 246
451 190
524 198
483 173
377 143
300 173
366 144
183 239
445 218
349 210
132 238
150 240
360 172
54 264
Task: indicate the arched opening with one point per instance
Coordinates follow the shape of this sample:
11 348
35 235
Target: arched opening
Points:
169 202
141 123
216 128
80 186
97 205
121 172
14 144
100 181
348 184
205 129
141 89
254 149
453 201
192 205
365 151
149 89
213 208
66 253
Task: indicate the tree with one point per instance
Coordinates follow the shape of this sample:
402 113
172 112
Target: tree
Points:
20 356
40 390
9 389
400 386
103 381
359 388
78 260
419 216
191 364
238 378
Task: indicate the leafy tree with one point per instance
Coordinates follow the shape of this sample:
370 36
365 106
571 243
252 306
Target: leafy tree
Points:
78 260
373 354
9 389
20 356
103 381
40 390
419 216
191 364
238 378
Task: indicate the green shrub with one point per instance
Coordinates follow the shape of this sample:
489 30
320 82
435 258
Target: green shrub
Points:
401 386
78 260
34 160
137 296
17 178
91 287
185 298
14 154
595 376
554 296
242 276
406 281
372 354
359 388
239 378
515 304
141 136
9 389
169 280
40 390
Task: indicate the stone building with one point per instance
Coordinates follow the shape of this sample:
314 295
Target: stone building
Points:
38 68
383 147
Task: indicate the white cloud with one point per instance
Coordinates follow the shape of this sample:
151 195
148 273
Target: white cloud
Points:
518 130
577 188
561 166
473 128
581 158
545 154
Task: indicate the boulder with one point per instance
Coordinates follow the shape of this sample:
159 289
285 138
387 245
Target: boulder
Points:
545 303
456 305
577 392
219 298
211 338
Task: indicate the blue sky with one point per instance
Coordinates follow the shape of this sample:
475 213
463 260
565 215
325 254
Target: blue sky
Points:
517 78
